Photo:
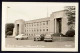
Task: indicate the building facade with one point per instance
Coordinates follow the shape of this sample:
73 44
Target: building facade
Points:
56 23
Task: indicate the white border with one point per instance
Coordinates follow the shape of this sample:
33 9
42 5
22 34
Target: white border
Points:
39 49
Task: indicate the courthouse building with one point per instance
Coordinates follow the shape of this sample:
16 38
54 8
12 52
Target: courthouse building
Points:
56 23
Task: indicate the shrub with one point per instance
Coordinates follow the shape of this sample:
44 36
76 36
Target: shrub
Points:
9 27
70 33
57 34
9 33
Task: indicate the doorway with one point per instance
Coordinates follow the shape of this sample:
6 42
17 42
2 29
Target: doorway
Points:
17 29
58 20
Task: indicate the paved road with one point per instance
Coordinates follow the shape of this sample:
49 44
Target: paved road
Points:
12 42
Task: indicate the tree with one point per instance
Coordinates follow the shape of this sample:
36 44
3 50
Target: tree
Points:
9 28
9 33
70 12
70 33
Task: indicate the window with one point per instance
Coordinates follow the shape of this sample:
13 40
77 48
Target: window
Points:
25 30
46 29
47 22
29 24
34 29
43 23
40 29
32 24
25 25
37 24
43 29
40 23
37 29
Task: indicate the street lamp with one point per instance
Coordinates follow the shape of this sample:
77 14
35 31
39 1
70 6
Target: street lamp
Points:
7 11
7 17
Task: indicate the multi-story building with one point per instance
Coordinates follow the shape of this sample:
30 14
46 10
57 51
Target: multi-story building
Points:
56 23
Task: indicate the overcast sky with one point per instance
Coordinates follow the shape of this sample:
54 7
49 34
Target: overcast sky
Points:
30 11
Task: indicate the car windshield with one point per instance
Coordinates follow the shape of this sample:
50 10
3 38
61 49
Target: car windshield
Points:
23 35
48 36
37 35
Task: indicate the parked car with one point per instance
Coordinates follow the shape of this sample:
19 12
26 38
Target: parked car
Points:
37 37
21 36
48 38
42 37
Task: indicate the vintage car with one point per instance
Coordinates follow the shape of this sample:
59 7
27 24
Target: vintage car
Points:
37 37
48 38
21 37
42 37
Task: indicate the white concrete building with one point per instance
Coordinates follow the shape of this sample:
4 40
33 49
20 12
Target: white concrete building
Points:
56 23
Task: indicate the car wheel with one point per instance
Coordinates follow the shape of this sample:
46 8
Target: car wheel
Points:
16 38
27 38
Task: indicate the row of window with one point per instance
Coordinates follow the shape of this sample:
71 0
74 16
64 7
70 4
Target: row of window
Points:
37 30
41 27
30 34
36 24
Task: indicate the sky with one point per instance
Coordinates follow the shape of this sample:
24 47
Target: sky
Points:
30 10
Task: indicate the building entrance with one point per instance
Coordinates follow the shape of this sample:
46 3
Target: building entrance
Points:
17 29
58 20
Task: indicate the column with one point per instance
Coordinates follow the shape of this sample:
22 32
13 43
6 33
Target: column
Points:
15 29
55 25
14 34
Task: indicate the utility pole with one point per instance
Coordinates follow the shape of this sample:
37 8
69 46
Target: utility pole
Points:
7 11
7 17
47 11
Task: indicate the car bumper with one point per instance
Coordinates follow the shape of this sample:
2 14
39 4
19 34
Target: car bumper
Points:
48 39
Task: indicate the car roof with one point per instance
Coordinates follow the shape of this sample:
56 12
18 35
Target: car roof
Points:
21 34
48 34
38 35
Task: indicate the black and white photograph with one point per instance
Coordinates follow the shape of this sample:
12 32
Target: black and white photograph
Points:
39 26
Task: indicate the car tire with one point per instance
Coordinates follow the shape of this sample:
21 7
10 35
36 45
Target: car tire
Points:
27 37
16 38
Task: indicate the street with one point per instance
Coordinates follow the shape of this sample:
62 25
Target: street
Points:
13 43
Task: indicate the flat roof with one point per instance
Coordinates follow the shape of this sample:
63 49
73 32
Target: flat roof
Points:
39 20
